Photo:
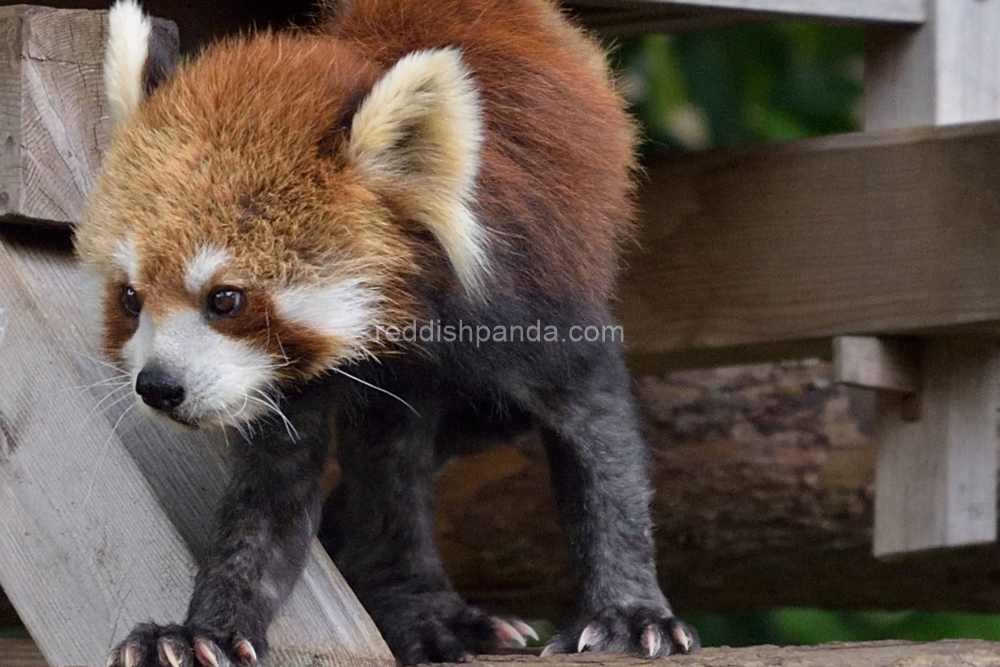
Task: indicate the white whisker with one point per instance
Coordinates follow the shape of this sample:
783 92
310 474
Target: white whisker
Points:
264 399
376 388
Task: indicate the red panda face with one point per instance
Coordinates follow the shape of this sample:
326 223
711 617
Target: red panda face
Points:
216 345
244 233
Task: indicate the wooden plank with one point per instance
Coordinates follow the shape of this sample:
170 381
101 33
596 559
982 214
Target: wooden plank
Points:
52 113
936 481
947 653
936 478
884 233
898 12
891 364
20 653
89 548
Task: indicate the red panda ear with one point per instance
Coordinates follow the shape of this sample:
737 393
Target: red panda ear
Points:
141 54
416 139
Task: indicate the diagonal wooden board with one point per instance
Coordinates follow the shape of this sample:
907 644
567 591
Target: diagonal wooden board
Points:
101 515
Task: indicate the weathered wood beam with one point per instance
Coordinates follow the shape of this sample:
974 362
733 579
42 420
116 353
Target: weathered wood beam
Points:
104 518
635 16
947 653
881 233
52 116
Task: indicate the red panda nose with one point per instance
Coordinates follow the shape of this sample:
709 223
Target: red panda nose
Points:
159 389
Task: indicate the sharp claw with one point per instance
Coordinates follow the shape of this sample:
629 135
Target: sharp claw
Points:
112 659
549 651
508 633
525 629
681 637
245 650
131 655
651 640
590 636
168 654
205 653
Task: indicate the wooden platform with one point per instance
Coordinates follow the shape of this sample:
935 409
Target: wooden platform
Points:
20 653
947 653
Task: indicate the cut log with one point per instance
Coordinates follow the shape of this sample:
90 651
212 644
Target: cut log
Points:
764 481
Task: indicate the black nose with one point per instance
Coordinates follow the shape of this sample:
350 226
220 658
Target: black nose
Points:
159 389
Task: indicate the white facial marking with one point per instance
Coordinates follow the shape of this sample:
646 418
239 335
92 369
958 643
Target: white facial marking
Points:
127 258
125 58
223 378
346 310
203 266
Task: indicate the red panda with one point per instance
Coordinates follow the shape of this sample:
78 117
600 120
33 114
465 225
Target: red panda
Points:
268 219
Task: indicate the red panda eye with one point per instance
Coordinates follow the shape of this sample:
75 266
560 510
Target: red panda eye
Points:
225 302
130 302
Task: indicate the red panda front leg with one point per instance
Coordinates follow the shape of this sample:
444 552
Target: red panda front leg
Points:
265 523
378 525
598 466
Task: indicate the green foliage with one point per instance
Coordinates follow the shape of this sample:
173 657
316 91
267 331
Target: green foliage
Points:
813 626
742 84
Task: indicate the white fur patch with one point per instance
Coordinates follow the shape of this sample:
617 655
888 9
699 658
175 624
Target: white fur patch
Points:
346 310
125 58
224 379
203 266
421 127
127 257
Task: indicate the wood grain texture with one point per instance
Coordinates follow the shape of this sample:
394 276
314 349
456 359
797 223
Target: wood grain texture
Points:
946 653
53 119
884 233
101 535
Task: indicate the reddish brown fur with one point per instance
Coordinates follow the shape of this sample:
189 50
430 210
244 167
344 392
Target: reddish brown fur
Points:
243 148
556 133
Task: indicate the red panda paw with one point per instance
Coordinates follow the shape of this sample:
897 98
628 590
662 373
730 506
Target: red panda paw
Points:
642 631
437 626
151 645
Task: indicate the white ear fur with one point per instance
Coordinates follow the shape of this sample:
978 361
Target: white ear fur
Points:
418 134
128 48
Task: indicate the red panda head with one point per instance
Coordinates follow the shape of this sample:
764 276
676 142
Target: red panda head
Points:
248 230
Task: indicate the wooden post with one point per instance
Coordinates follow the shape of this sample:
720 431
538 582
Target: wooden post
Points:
936 482
52 115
